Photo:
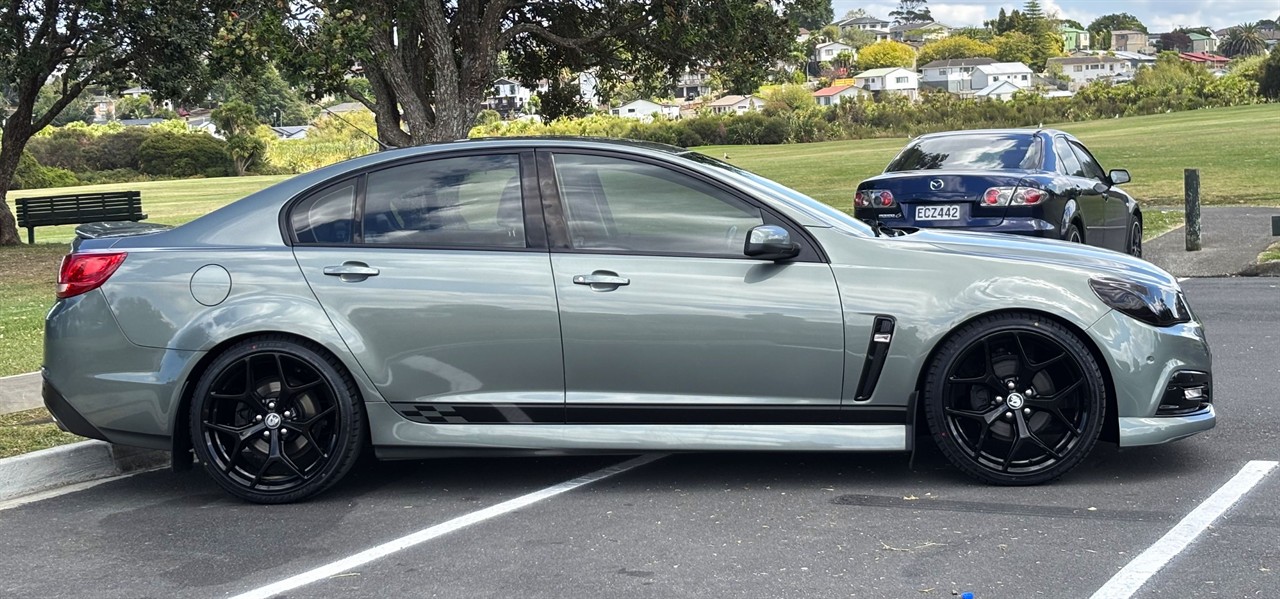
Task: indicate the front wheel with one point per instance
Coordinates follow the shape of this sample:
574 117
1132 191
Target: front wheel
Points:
275 421
1014 399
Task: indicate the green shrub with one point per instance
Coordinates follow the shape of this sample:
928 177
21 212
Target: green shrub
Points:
32 175
117 151
120 175
183 155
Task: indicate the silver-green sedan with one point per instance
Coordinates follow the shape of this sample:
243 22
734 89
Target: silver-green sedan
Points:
574 295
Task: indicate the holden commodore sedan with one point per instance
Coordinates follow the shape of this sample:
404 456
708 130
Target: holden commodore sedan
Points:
505 296
1042 183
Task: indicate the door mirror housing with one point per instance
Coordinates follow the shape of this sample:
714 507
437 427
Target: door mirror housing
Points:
1119 176
770 242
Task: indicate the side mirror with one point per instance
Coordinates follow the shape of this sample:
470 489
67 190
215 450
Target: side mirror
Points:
1119 176
770 242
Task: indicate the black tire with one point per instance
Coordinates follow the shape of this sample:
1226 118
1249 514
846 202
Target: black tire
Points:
1135 237
275 420
1047 432
1073 234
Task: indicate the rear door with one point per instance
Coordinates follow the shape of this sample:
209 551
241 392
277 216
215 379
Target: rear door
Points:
1089 203
437 276
665 320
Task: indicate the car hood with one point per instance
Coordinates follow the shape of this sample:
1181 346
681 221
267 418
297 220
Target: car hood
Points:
1044 251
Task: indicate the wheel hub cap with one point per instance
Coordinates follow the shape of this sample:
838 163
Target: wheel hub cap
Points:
1015 401
273 421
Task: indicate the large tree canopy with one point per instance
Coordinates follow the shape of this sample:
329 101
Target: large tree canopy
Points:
911 11
163 43
1100 29
430 63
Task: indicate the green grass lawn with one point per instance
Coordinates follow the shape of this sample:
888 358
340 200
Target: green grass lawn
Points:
1235 148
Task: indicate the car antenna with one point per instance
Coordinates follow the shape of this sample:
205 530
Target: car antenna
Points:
381 145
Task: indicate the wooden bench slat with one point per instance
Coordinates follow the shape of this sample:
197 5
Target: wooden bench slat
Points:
68 209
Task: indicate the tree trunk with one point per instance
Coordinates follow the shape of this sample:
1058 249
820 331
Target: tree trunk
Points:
12 143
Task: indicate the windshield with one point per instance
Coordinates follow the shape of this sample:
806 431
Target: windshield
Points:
796 199
979 151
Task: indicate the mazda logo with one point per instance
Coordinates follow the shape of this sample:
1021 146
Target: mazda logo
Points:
936 184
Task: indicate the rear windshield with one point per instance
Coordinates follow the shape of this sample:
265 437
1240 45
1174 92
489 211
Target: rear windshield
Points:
970 152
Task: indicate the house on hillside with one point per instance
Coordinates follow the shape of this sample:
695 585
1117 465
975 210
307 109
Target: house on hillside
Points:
1016 73
893 80
1203 43
863 24
736 104
834 95
508 98
692 85
290 132
828 51
1128 40
1001 90
645 110
1205 59
1074 40
955 75
927 31
1083 70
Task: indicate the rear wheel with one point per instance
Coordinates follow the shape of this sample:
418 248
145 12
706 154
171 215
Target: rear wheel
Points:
1014 399
275 421
1073 234
1135 238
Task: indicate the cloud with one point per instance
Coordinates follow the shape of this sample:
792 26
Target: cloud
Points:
959 15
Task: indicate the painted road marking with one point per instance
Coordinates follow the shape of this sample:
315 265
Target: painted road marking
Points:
1127 581
426 534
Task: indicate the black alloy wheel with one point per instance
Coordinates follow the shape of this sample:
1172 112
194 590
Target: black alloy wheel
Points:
1073 234
1015 399
275 421
1135 239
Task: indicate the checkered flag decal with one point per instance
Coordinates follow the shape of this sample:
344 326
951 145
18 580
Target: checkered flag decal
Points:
433 414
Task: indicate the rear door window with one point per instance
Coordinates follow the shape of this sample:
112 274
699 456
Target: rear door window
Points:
1092 169
1068 164
326 217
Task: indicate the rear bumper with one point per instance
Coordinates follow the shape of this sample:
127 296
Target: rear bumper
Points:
1033 227
66 416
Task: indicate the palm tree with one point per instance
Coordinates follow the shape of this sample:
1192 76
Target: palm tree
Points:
1244 40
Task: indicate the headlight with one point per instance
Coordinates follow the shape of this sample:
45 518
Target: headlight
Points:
1156 306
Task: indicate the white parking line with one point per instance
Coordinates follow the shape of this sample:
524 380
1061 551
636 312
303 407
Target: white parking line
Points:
426 534
1127 581
1181 279
14 376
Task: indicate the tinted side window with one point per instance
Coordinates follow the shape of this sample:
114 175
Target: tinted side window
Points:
626 206
1068 164
471 201
326 217
1092 169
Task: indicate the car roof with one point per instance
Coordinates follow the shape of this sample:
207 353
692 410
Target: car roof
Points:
1007 131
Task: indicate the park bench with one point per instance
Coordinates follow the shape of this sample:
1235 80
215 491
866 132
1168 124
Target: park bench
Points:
72 209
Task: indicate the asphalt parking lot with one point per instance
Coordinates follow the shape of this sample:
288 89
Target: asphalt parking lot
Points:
703 525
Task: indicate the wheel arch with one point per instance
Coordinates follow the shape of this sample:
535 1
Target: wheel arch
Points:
181 438
1110 427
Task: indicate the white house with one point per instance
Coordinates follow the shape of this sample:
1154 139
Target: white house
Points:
927 31
889 80
692 85
1000 90
863 24
828 51
645 110
831 96
736 104
1083 70
508 97
1013 72
955 75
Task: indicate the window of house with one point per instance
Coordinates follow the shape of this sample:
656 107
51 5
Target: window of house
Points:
942 71
472 201
614 204
1024 77
1079 68
900 80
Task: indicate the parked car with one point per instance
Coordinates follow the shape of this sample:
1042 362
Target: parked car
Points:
577 295
1042 183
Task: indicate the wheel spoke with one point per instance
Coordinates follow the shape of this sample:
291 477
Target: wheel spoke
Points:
1059 394
308 423
306 434
288 462
982 439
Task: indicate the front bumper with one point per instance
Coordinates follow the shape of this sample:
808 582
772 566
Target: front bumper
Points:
1147 364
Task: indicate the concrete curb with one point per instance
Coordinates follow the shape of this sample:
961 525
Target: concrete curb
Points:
69 464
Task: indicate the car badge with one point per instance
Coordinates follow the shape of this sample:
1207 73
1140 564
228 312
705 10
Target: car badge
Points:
936 184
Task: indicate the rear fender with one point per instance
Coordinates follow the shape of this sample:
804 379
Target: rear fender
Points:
1069 213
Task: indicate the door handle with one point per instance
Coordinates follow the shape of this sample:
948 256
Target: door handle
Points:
601 280
351 271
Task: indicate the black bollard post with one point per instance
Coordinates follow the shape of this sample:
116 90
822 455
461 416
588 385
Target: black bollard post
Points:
1192 186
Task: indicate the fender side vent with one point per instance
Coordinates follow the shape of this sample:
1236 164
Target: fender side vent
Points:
877 352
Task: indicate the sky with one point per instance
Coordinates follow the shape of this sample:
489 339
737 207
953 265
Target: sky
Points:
1157 15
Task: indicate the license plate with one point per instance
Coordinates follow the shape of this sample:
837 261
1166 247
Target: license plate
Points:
947 212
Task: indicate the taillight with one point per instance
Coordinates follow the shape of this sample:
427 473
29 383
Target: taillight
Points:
874 198
1013 196
82 273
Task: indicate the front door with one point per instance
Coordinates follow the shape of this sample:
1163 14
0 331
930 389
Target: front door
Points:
1110 225
442 289
664 319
